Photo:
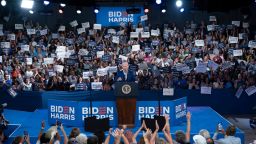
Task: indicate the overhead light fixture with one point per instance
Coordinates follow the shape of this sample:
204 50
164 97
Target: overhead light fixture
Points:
182 10
31 11
158 1
163 10
46 2
61 10
178 3
3 2
62 4
27 4
146 10
78 11
96 10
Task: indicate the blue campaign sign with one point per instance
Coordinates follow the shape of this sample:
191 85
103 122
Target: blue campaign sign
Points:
66 112
166 107
180 110
146 109
103 109
113 16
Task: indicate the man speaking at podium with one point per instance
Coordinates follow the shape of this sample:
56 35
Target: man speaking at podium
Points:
125 75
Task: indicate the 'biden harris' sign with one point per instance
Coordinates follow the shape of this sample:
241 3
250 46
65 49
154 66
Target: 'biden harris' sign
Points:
113 16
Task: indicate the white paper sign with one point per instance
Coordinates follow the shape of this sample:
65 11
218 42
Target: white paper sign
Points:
97 26
24 47
210 27
48 60
236 23
144 18
111 31
201 68
29 61
86 25
135 47
102 72
31 31
83 52
18 26
212 18
199 42
112 69
60 49
252 44
100 54
11 36
245 25
237 52
87 74
213 65
124 58
168 91
43 32
62 28
145 34
250 90
232 39
139 30
51 73
1 59
115 39
73 23
154 32
58 68
206 90
96 85
55 36
134 35
5 45
239 92
80 30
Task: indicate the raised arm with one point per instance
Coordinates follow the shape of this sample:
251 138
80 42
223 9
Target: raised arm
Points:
64 134
153 137
108 137
138 131
188 126
41 131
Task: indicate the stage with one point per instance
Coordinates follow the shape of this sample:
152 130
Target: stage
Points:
202 118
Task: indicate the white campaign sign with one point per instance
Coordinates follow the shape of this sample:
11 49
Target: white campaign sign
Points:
112 69
250 90
102 72
212 18
86 25
237 52
62 28
111 31
145 34
60 49
154 32
239 92
245 25
236 23
100 54
206 90
139 30
201 68
168 91
80 30
97 26
31 31
18 26
115 39
29 61
135 47
58 68
124 58
55 35
43 32
73 23
134 34
96 85
5 45
48 60
144 18
210 27
232 39
24 47
11 36
213 65
87 74
252 44
199 42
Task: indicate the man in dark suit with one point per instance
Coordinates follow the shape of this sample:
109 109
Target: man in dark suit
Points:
125 75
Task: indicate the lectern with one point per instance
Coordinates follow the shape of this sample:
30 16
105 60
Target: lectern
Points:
126 93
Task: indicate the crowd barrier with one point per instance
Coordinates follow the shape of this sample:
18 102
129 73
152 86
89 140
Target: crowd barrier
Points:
221 100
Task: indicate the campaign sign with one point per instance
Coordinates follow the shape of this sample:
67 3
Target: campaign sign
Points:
113 16
180 111
146 109
64 111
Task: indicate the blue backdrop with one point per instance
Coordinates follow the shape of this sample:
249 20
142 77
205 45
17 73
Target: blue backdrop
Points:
113 16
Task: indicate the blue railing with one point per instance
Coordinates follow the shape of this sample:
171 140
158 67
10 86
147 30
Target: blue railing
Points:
222 100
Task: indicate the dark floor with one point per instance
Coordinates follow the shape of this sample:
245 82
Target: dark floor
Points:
242 122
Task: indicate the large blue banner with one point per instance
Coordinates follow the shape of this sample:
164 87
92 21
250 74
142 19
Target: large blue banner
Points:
113 16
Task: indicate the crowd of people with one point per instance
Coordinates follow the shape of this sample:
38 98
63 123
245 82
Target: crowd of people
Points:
37 59
126 136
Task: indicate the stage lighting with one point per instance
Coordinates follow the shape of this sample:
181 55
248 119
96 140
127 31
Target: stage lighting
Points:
182 10
178 3
31 11
61 11
62 5
3 3
46 2
78 11
163 10
96 10
27 4
158 1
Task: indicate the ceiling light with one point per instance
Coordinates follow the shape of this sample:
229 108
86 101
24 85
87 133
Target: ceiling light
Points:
3 2
62 5
27 4
158 1
178 3
46 2
31 11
